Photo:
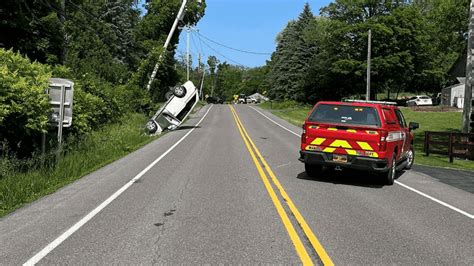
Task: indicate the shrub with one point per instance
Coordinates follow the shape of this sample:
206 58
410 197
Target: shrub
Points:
24 106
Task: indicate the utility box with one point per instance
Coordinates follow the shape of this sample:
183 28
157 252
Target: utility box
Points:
61 92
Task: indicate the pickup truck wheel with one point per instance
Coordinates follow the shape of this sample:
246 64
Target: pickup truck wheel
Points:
390 175
313 170
410 158
179 91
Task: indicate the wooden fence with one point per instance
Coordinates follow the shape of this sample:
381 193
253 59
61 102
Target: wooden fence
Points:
452 144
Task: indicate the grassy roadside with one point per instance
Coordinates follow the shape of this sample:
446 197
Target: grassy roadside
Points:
99 148
429 121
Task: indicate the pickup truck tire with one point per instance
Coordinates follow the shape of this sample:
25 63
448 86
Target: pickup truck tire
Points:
313 170
410 158
179 91
392 171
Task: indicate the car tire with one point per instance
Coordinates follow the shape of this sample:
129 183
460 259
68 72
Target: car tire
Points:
151 127
179 91
313 170
410 158
392 171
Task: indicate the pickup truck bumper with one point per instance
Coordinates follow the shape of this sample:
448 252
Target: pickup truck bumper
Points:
353 162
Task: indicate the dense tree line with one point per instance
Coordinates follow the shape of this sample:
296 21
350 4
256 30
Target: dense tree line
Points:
108 48
414 45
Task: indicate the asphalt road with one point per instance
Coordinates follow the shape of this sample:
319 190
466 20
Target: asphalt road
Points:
212 199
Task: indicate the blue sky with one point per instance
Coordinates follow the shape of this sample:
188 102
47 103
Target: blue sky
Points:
250 25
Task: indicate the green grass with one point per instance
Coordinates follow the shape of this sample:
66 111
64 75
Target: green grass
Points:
290 111
99 148
435 121
429 121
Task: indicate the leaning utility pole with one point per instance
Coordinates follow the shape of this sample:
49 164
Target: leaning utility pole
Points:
369 51
188 29
167 42
467 110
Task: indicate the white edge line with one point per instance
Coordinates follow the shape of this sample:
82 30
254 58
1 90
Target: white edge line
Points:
51 246
397 182
285 128
436 200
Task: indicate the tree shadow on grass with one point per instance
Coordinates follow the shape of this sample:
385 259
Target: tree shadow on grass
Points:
348 177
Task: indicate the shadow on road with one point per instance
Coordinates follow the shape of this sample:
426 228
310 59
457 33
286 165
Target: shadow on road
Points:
457 178
348 177
186 127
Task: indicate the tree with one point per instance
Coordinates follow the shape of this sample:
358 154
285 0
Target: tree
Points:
121 18
32 28
291 59
152 31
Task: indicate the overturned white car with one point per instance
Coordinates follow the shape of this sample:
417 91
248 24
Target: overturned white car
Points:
175 110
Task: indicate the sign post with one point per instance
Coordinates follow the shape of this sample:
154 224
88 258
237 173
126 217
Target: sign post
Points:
61 93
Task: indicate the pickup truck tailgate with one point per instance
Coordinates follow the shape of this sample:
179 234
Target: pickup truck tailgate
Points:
351 141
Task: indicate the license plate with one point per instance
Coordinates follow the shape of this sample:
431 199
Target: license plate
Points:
339 158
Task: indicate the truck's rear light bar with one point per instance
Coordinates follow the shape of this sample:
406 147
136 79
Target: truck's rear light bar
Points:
377 102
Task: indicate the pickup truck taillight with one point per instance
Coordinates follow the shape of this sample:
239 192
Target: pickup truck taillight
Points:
383 140
303 136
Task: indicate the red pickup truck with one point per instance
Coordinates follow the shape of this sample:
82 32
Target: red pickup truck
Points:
363 135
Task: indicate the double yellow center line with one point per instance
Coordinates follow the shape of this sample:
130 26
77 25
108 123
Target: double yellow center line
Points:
300 248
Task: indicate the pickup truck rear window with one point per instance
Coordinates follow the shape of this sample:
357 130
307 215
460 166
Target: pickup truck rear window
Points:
345 114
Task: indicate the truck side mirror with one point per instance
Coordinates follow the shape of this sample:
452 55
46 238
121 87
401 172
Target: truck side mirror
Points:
413 125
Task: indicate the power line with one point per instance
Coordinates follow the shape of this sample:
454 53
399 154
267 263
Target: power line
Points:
219 53
195 45
83 11
89 14
231 48
77 22
200 44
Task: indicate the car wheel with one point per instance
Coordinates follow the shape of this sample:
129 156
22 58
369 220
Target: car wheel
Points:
151 127
410 158
390 175
313 170
179 91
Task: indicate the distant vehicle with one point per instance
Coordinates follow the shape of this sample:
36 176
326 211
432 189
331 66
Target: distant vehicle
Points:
364 135
419 100
252 100
172 114
215 100
242 99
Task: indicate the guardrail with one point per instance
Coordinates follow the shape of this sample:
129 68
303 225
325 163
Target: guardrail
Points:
452 144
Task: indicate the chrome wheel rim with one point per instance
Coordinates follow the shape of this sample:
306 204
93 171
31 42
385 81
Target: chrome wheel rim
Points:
179 90
151 126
